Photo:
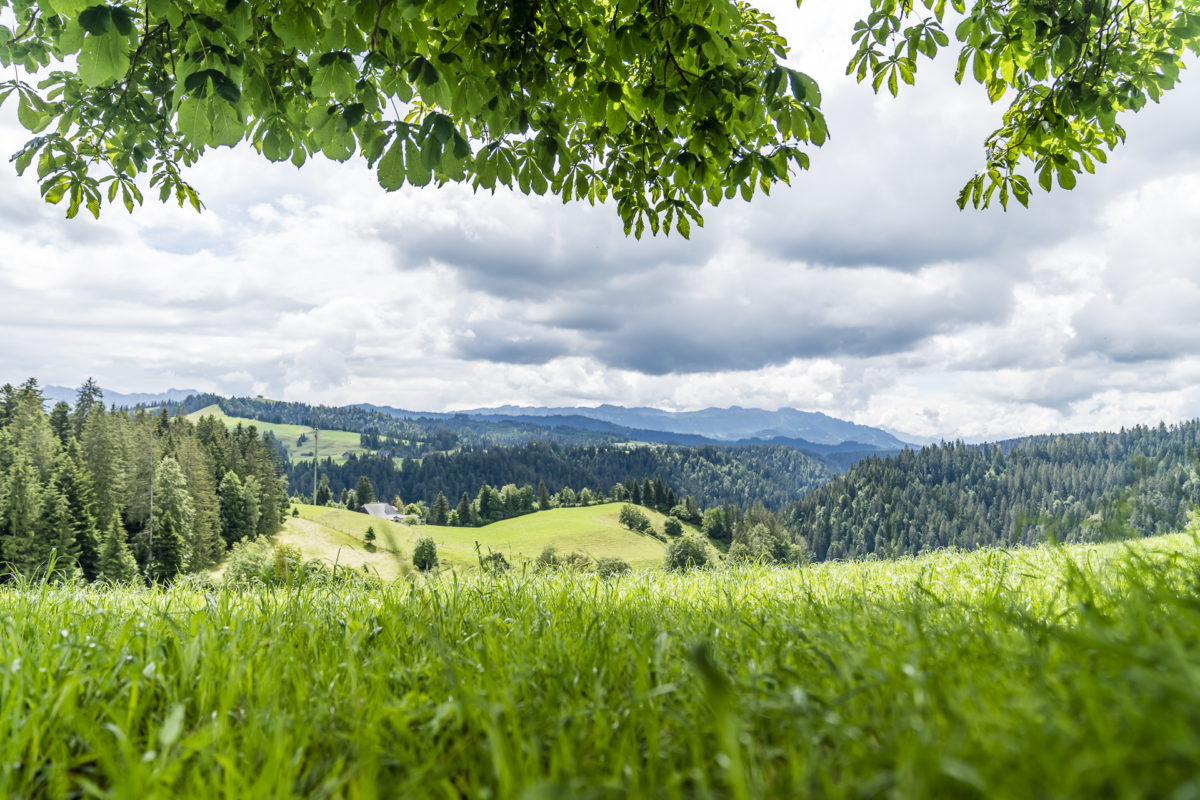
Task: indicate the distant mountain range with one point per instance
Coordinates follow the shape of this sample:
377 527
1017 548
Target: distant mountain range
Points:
736 424
56 393
806 430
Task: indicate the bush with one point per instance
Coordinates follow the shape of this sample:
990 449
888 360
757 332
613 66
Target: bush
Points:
549 558
494 563
256 561
673 527
634 519
425 554
686 552
578 560
611 566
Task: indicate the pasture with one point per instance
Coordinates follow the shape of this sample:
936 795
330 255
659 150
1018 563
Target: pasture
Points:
331 444
593 530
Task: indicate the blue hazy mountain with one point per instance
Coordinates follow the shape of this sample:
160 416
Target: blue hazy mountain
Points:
732 424
55 393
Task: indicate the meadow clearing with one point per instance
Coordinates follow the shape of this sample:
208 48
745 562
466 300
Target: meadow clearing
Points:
336 537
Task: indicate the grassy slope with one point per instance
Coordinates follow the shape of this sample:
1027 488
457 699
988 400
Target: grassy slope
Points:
593 529
1037 673
332 443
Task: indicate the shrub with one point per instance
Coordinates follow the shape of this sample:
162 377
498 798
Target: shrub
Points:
369 538
494 563
295 511
686 552
634 519
255 561
425 554
549 558
611 566
578 560
673 527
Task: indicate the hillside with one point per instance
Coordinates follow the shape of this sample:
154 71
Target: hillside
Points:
774 476
329 444
336 536
1077 487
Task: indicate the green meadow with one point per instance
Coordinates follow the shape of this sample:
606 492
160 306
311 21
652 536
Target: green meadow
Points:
336 536
1045 672
331 444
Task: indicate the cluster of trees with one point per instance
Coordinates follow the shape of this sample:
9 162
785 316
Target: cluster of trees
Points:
1138 482
774 476
114 495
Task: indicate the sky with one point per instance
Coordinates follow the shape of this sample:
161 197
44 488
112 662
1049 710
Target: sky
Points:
860 291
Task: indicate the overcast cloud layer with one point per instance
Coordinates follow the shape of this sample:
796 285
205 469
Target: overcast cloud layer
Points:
860 291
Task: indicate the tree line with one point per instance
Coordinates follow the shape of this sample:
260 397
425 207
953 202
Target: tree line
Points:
774 476
1141 481
124 495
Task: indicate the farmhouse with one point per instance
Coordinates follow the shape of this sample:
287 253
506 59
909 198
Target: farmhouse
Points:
390 512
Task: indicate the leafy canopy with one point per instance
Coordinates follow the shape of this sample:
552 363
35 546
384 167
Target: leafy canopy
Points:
1070 68
664 105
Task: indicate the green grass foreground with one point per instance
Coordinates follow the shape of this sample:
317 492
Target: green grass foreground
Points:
1050 672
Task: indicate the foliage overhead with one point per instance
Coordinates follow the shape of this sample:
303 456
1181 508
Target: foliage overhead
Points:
1070 68
666 105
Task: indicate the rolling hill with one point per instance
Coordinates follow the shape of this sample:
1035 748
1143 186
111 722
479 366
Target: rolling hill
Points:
330 444
336 536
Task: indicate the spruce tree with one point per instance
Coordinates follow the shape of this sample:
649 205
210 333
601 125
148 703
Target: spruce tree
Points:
20 518
464 509
234 525
363 491
543 496
441 510
171 525
56 533
324 496
60 422
115 563
71 478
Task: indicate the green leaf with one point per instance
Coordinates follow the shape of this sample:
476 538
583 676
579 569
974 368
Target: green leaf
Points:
415 170
390 171
225 125
192 121
31 118
97 20
103 59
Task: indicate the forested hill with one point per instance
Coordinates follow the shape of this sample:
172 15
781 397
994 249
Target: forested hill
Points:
1079 487
775 476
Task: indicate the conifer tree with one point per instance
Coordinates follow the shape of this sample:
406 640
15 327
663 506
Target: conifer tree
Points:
324 496
441 510
234 522
543 496
88 397
20 516
56 533
60 422
116 563
363 491
104 455
171 522
464 509
71 478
